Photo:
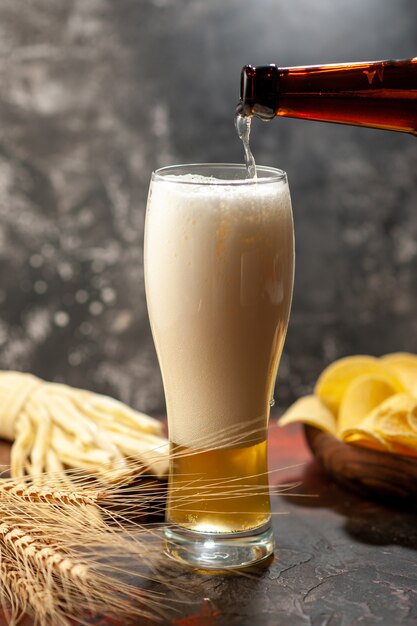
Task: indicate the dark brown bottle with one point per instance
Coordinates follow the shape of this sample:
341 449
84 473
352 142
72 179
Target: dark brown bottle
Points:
381 94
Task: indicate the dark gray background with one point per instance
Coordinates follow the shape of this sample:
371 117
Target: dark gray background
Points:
94 94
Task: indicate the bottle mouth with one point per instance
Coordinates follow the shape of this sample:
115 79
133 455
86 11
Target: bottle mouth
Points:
247 91
258 91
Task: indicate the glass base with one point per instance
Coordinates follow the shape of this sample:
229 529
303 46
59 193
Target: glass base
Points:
218 551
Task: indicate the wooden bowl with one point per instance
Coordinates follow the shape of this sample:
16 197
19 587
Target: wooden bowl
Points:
368 472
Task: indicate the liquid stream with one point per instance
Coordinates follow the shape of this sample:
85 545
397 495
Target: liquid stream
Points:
243 125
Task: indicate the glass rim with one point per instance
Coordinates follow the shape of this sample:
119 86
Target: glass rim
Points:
265 174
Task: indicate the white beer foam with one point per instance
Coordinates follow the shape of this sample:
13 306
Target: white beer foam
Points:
218 272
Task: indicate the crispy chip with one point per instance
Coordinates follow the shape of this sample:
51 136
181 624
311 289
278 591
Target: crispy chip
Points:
310 410
365 439
365 401
403 365
390 421
398 403
373 441
336 378
402 357
399 449
412 420
362 396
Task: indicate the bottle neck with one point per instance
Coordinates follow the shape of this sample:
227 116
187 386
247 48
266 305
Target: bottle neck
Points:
259 91
381 94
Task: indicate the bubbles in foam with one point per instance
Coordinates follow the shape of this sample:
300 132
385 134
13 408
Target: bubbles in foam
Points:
194 178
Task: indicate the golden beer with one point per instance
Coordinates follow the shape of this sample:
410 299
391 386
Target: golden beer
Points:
219 491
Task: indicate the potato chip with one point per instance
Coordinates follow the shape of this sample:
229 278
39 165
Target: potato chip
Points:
403 365
399 449
390 421
366 431
373 441
310 410
402 357
362 396
412 419
336 378
365 401
365 439
398 403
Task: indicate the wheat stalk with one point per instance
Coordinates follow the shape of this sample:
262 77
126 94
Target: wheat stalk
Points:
34 493
56 578
24 595
40 553
71 543
64 552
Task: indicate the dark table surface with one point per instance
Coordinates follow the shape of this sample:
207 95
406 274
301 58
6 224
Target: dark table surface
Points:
340 560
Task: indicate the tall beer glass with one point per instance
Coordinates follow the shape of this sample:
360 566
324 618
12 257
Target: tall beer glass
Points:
219 264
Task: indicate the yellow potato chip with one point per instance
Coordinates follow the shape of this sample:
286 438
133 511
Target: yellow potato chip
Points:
394 428
336 378
403 365
365 401
398 403
365 439
362 396
375 442
398 449
310 410
394 357
412 419
390 421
